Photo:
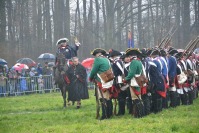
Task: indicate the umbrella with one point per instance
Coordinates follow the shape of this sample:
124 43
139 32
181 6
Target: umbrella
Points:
51 64
47 57
29 62
88 63
180 50
20 66
196 51
2 61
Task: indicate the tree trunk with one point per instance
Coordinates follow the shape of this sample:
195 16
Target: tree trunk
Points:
186 21
139 24
2 21
119 28
110 22
48 26
67 19
96 31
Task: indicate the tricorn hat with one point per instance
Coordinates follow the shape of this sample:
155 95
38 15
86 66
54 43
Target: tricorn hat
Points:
172 51
113 53
144 52
163 52
62 40
155 52
133 51
98 50
148 52
178 55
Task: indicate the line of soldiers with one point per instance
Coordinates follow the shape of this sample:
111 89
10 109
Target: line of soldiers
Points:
145 81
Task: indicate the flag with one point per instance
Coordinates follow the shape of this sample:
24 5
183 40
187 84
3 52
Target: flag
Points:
130 41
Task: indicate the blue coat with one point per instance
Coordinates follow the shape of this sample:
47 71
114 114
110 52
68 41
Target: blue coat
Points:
172 67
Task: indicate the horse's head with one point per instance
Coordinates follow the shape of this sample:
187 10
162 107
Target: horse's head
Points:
62 63
61 59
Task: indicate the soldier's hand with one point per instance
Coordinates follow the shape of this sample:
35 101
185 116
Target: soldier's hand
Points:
77 43
62 72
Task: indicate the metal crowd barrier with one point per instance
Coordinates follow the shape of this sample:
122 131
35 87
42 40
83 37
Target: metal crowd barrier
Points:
29 85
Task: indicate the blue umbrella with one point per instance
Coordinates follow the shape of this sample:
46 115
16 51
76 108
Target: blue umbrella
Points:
47 57
2 61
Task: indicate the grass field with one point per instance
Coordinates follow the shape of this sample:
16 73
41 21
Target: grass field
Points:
44 113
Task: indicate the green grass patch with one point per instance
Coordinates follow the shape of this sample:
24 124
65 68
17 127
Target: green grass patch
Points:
43 113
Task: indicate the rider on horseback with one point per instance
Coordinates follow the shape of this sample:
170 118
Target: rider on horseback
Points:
63 59
67 50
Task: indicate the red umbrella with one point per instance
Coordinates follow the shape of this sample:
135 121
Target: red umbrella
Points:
88 63
20 66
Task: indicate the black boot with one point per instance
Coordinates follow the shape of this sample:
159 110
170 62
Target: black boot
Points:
159 104
121 104
129 105
177 99
109 108
147 104
138 108
184 98
173 98
196 92
104 109
190 94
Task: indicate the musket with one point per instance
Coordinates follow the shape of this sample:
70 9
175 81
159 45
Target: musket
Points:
189 45
169 39
167 35
97 102
103 99
115 107
191 49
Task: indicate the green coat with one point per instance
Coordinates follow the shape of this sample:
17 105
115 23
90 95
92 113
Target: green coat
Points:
101 64
135 68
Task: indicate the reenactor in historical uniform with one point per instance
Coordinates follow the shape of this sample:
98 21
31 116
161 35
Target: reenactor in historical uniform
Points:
145 94
118 70
100 67
164 61
125 88
158 90
134 75
180 80
190 79
172 67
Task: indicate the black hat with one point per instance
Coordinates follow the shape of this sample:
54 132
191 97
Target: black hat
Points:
133 51
173 51
178 55
144 52
99 50
163 52
155 52
171 48
113 53
148 52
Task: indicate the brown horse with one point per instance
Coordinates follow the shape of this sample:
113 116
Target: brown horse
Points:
60 74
